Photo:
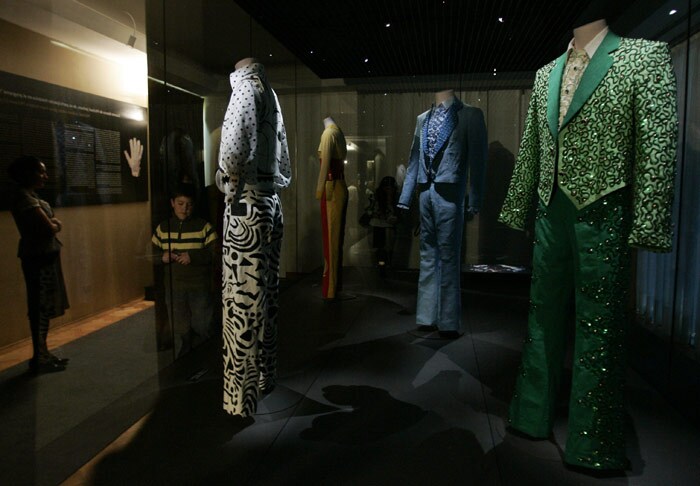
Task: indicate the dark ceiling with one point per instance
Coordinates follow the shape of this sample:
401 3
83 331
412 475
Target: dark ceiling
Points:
384 38
370 38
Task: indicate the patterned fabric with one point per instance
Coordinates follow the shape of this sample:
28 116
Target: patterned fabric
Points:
580 252
437 129
251 259
614 154
254 163
621 130
435 121
253 138
194 236
463 160
46 289
575 66
189 302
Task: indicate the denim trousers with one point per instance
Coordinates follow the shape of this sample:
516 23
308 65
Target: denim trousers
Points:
441 222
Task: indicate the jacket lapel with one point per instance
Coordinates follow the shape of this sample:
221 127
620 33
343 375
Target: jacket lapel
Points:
448 125
424 132
593 75
553 95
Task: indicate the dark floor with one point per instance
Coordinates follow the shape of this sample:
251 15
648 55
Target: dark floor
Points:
362 400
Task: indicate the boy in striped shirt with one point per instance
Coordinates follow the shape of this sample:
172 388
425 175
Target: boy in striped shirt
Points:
185 244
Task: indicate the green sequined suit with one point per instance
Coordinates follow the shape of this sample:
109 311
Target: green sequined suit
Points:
602 182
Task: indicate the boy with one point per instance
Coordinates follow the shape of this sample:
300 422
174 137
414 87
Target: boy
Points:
185 244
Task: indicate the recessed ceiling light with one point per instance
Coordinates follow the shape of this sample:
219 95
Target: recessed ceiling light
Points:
500 19
366 59
673 12
387 24
311 52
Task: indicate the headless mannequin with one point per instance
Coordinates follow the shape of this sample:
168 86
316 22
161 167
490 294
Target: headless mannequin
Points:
252 239
445 95
332 191
599 258
585 33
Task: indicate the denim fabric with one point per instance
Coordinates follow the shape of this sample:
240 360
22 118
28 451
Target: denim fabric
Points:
442 220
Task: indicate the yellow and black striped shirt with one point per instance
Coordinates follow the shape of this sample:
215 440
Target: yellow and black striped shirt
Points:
194 236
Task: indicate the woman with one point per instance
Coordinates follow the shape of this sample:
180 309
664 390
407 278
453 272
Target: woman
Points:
39 250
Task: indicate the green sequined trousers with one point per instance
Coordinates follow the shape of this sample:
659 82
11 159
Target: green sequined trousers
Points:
584 253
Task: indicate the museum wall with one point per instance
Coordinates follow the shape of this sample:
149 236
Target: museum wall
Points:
105 253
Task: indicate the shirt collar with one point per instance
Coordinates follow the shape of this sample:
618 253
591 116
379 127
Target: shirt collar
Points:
253 70
445 104
593 45
448 102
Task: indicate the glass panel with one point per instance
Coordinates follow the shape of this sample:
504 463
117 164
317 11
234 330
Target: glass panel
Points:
73 92
667 291
78 91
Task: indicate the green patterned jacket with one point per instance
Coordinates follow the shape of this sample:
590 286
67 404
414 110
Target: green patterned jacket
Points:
620 130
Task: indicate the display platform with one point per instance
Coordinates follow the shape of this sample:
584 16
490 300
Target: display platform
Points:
279 400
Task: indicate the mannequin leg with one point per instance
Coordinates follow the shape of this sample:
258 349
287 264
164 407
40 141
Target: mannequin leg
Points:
449 221
328 278
533 405
245 300
267 359
428 299
336 209
333 212
596 409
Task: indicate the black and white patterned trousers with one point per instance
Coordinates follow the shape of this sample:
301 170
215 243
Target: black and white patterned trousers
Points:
251 255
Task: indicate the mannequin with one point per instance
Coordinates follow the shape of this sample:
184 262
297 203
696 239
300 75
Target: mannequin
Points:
246 61
585 33
449 148
443 96
599 153
332 191
254 166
